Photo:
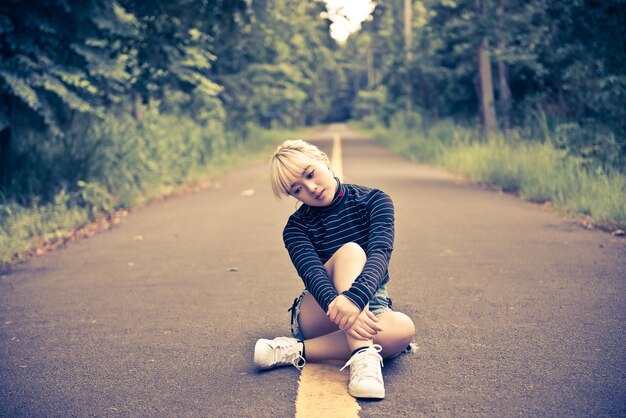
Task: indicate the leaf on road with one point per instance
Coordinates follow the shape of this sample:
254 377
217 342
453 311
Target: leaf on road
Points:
232 269
248 192
138 238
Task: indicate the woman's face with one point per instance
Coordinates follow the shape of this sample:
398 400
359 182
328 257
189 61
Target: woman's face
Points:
316 186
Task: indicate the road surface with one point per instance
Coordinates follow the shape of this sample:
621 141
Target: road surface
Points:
519 311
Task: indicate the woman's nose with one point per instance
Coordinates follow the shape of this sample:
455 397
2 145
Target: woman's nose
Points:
311 186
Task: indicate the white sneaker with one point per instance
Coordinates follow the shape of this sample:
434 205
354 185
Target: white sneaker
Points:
366 377
281 351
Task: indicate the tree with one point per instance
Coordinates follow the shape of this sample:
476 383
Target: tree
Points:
288 39
48 49
487 107
503 72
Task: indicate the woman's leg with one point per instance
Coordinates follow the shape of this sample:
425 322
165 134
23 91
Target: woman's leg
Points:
342 268
397 334
324 340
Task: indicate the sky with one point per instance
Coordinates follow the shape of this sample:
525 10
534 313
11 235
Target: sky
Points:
347 16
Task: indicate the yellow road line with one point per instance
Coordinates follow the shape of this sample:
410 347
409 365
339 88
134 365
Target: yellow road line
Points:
323 392
323 389
336 159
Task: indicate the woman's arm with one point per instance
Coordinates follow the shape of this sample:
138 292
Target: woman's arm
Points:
308 264
379 248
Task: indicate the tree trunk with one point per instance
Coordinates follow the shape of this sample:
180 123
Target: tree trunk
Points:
408 47
425 105
5 143
487 109
370 68
503 72
136 101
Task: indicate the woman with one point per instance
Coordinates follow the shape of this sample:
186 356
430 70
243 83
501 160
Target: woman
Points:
340 241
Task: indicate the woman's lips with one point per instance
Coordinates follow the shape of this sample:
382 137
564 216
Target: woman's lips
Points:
319 196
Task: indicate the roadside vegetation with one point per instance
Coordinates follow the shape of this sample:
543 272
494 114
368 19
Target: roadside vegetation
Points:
89 182
537 170
105 105
527 96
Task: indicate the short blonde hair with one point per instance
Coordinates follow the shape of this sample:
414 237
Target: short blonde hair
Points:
289 161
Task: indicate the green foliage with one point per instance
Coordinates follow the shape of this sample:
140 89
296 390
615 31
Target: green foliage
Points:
565 60
537 171
116 164
51 61
278 64
373 105
95 197
277 89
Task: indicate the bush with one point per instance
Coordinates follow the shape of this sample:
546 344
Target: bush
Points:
537 171
60 185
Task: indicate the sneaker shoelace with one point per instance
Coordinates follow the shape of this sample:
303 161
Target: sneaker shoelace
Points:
363 365
290 354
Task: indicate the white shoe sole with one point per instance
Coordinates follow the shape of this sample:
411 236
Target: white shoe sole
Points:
367 394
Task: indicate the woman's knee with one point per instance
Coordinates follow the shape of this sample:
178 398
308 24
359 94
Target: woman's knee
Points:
401 329
352 250
350 254
403 326
406 326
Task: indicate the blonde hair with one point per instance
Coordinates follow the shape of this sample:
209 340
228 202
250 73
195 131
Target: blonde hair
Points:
289 161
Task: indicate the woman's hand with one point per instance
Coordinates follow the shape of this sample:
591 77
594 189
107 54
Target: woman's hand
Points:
365 327
343 312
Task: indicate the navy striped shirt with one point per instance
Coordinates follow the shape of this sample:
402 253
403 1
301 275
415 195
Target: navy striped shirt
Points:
356 214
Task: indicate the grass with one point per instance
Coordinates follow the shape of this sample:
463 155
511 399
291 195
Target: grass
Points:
71 186
536 170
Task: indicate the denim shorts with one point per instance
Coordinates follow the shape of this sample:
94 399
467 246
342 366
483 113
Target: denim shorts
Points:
379 303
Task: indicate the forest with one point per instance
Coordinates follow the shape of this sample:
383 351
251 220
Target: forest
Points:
105 104
527 66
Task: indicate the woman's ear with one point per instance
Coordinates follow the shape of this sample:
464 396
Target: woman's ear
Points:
326 161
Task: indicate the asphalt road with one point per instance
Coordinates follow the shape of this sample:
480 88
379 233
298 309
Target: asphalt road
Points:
519 311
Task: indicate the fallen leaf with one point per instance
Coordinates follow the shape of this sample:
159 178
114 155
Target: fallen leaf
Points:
131 264
138 238
248 192
232 269
618 233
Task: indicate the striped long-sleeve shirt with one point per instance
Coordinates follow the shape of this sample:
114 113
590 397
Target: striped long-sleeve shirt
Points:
356 214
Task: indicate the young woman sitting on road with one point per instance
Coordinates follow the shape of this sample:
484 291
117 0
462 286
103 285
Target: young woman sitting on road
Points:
340 242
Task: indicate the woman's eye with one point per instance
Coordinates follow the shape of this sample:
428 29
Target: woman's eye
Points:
296 191
310 176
